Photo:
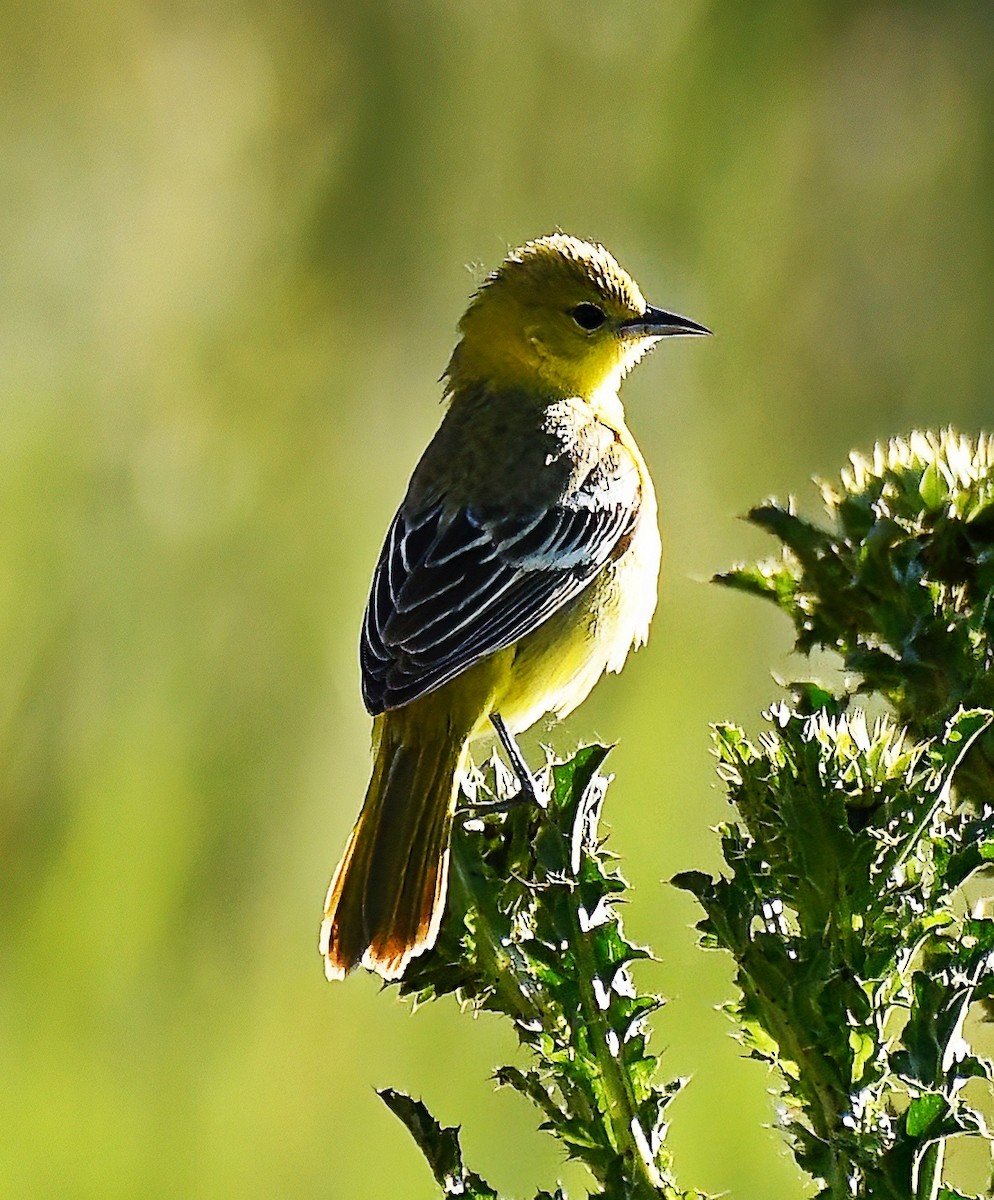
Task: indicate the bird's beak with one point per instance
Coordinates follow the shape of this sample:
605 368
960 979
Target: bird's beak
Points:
656 323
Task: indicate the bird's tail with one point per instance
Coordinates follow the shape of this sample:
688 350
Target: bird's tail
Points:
386 899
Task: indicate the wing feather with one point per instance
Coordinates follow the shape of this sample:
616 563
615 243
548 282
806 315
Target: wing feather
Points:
454 585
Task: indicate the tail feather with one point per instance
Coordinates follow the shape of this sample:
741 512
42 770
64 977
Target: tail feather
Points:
386 899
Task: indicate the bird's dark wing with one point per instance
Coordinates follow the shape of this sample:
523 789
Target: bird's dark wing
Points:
452 586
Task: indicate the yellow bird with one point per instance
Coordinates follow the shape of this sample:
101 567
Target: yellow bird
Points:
521 565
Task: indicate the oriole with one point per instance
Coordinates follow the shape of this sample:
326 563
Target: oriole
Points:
521 565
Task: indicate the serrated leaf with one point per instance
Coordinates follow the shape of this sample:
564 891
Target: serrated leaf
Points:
803 537
439 1145
933 489
924 1112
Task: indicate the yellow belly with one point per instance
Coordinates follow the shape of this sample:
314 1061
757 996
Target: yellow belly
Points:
553 669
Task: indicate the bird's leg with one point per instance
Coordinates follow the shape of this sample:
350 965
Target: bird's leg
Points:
530 788
530 791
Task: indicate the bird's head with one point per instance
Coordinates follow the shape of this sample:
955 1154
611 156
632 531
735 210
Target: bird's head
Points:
559 317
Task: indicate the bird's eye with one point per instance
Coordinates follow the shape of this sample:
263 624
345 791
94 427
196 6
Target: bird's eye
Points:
588 316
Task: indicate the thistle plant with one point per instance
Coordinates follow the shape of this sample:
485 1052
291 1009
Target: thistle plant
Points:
899 582
854 967
532 932
852 899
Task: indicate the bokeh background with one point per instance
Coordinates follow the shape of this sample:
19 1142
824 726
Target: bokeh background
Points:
234 242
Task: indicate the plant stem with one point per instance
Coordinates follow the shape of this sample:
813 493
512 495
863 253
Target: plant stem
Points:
620 1102
514 1000
930 1171
825 1104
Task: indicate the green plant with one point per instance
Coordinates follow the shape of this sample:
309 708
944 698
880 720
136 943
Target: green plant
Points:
851 902
532 932
854 967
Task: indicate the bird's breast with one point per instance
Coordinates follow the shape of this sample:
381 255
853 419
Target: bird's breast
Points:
556 666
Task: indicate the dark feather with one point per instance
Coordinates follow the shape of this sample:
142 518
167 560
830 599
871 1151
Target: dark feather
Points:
454 585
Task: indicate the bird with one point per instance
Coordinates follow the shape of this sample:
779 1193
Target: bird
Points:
522 564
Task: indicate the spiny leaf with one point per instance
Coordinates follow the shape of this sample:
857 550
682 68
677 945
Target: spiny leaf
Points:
440 1146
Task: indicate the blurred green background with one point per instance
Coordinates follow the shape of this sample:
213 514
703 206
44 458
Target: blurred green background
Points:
233 250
